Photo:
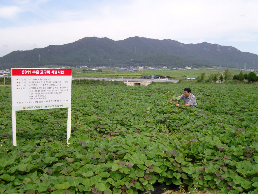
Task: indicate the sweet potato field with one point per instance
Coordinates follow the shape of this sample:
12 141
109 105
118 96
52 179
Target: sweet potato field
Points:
125 139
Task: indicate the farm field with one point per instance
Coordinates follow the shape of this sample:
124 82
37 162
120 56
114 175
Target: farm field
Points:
175 74
127 138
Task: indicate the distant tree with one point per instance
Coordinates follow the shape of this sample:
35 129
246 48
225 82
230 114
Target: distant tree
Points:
215 77
227 75
236 77
145 77
210 78
221 78
202 77
245 76
241 76
252 77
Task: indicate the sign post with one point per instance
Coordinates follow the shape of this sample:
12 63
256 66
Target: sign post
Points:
34 89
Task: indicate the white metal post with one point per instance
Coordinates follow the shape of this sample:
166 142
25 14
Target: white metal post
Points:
68 124
14 127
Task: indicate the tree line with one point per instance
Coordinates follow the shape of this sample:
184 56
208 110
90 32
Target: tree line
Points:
226 76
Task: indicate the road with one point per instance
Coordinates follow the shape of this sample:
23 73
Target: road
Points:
125 79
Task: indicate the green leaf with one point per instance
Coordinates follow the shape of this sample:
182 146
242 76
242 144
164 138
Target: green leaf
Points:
129 191
115 167
210 169
2 190
31 191
87 183
3 163
176 98
88 174
143 167
139 173
184 176
246 184
74 181
62 186
59 164
26 180
138 186
237 179
179 158
110 180
255 184
101 186
67 170
176 181
108 192
177 175
95 179
144 182
22 167
153 179
58 192
41 188
104 174
149 163
115 175
124 170
158 163
49 159
35 178
116 191
138 158
27 160
7 177
128 184
239 189
118 183
11 170
55 146
157 169
149 187
208 177
69 192
69 160
188 170
170 174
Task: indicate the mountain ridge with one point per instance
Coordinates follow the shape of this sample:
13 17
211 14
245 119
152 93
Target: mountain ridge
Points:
132 51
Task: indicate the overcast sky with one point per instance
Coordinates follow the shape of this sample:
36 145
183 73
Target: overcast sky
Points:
28 24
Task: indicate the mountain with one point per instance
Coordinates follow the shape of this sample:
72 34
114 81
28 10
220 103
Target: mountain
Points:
133 51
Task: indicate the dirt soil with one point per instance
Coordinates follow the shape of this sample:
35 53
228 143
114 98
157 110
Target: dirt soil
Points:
183 189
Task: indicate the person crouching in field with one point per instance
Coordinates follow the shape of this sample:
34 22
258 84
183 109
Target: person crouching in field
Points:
189 99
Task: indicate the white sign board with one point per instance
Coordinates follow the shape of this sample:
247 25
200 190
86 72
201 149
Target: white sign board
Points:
34 89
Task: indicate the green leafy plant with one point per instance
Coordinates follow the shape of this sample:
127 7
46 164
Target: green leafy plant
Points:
126 139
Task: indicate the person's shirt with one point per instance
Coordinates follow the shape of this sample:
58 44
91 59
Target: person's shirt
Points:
191 100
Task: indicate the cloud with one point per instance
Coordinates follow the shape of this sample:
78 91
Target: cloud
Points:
9 12
187 21
177 19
